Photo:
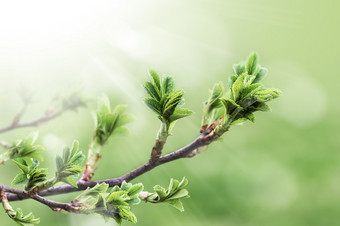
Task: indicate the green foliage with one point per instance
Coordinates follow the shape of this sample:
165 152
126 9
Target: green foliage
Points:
21 219
213 104
246 96
110 203
164 100
172 195
68 165
31 175
110 122
24 148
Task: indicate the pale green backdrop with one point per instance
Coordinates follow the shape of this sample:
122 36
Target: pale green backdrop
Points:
282 170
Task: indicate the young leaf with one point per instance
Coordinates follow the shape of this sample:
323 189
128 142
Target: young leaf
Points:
252 64
153 105
151 89
156 79
262 73
172 195
180 113
239 69
20 179
168 85
264 95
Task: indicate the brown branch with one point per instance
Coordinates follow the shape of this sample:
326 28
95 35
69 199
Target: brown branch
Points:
55 206
82 185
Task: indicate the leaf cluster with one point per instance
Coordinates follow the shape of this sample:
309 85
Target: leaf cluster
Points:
31 175
172 195
68 165
109 121
164 100
110 203
23 148
246 96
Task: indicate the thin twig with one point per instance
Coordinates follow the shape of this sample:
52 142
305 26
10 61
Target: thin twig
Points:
37 122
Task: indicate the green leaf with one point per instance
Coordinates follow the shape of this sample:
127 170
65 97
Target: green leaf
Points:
232 79
173 187
20 179
239 121
135 189
121 131
20 219
59 163
180 113
124 119
108 121
116 196
239 69
264 95
250 117
262 73
252 64
172 195
22 164
260 106
249 91
153 105
119 109
156 79
238 86
25 148
168 85
75 147
126 214
151 90
184 182
182 193
214 99
161 192
230 105
177 204
170 105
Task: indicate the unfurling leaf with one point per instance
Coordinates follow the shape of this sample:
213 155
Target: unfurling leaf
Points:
172 195
68 165
252 64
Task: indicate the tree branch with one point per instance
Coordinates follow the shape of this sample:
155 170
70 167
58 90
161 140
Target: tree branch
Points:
49 115
55 206
82 185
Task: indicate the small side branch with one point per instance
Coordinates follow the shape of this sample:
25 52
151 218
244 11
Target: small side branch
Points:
49 115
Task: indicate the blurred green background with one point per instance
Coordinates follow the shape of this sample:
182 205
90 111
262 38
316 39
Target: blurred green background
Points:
282 170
